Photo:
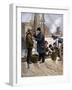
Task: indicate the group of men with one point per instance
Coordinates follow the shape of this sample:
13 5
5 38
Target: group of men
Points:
39 37
41 46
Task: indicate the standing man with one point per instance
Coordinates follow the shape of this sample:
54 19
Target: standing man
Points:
40 44
29 46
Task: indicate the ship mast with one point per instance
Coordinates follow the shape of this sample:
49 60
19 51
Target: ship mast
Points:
43 24
39 21
35 22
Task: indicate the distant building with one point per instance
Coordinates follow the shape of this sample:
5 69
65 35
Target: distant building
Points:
59 32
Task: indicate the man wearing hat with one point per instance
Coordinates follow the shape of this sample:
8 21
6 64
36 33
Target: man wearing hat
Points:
29 45
40 44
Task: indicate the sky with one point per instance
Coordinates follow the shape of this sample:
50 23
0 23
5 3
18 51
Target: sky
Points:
51 20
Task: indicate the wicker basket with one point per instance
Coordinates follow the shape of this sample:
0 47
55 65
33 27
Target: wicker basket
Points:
34 58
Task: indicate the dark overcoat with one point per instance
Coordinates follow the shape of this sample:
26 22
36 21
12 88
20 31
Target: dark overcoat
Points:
40 43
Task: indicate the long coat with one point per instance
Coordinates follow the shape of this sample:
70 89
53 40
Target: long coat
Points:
29 41
40 43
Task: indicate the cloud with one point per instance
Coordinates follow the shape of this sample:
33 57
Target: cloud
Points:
26 17
53 28
52 21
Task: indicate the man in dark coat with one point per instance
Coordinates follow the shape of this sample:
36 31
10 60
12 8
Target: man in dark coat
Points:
40 44
29 46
